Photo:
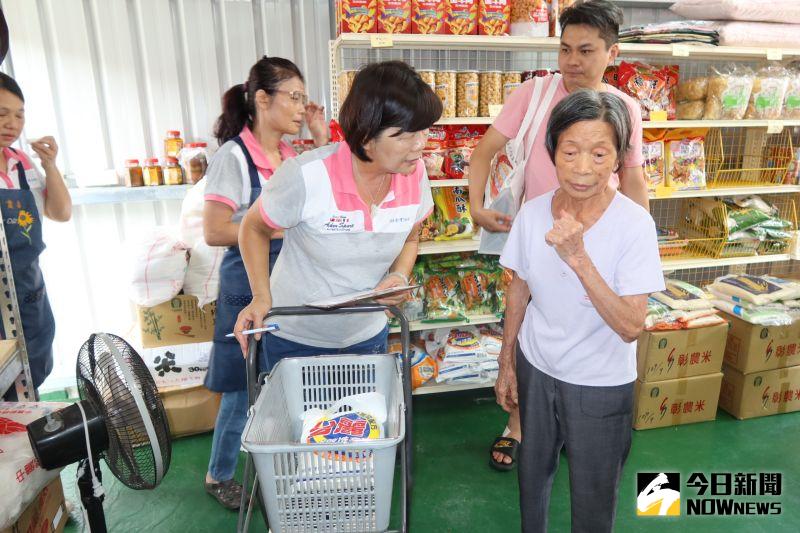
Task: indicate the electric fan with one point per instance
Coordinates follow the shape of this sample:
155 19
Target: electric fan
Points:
120 417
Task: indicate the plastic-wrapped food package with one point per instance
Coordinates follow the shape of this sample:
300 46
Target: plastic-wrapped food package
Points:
475 287
654 164
453 206
757 290
763 316
435 152
692 90
690 110
682 296
442 296
653 87
467 93
768 93
728 93
791 104
686 162
530 18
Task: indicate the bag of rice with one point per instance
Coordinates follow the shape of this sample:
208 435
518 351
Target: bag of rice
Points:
756 290
763 316
682 296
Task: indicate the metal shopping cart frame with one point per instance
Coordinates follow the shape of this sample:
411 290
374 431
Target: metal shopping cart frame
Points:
255 381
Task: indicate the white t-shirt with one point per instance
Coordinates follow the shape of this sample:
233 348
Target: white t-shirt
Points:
562 334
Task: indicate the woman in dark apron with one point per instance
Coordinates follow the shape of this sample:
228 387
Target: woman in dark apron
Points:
24 196
256 115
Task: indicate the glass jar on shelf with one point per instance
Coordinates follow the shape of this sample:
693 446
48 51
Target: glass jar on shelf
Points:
173 143
173 173
194 162
134 177
152 172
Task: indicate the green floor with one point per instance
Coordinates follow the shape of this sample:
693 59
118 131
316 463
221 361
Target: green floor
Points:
456 491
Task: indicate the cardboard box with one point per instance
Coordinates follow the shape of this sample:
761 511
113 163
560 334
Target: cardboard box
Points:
462 17
770 392
663 355
429 16
184 365
46 514
355 16
494 17
179 321
190 410
676 401
752 348
394 16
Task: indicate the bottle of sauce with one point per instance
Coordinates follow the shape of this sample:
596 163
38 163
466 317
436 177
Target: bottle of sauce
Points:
194 161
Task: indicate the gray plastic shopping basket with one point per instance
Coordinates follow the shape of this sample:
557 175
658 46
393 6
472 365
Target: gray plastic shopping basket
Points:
326 487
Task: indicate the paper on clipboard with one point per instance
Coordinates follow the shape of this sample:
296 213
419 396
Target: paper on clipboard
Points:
354 297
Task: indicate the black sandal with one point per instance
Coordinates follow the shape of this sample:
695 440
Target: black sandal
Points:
227 493
506 446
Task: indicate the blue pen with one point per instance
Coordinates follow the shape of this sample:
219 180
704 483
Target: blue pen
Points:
268 327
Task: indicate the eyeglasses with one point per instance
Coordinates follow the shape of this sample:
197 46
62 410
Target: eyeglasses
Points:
297 96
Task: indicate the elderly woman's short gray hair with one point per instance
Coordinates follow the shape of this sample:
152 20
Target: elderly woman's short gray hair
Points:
586 104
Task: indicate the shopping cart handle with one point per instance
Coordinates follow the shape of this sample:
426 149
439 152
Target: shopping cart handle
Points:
252 356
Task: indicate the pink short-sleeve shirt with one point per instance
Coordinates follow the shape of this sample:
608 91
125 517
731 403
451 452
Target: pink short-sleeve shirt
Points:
540 173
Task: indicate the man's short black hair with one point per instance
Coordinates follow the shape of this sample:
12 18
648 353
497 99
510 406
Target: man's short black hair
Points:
600 14
386 95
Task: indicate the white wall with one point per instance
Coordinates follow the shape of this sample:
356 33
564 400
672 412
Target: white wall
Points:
108 78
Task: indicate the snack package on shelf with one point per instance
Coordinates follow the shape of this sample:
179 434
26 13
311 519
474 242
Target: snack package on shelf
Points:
686 160
414 306
692 90
791 104
611 75
429 16
494 17
654 164
394 16
462 17
491 339
430 227
356 16
460 142
768 93
690 110
435 152
751 218
757 290
453 206
530 18
423 366
792 174
728 93
670 242
476 288
653 87
442 296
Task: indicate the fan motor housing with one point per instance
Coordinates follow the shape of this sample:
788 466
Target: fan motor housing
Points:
61 440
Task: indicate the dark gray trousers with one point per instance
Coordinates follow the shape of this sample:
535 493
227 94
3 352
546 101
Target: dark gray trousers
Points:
593 424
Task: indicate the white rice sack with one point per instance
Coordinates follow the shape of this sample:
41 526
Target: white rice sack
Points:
754 289
202 275
158 262
191 219
763 316
682 296
461 345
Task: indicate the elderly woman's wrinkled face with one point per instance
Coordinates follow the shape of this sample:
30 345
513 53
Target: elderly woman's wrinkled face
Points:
585 158
397 152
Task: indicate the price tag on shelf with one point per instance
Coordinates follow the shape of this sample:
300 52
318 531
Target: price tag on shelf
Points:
662 191
381 40
658 116
774 126
774 54
494 109
680 50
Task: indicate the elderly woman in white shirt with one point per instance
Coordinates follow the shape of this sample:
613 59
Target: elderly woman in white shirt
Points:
584 259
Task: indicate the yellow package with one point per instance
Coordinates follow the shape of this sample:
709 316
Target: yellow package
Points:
452 204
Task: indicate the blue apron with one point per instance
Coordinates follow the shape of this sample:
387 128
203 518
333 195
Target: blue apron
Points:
23 225
226 368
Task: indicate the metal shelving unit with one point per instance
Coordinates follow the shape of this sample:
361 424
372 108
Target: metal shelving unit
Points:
14 369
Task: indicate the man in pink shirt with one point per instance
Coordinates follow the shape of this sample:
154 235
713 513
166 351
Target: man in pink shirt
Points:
589 36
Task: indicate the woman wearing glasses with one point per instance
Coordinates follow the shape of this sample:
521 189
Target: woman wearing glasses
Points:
255 117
